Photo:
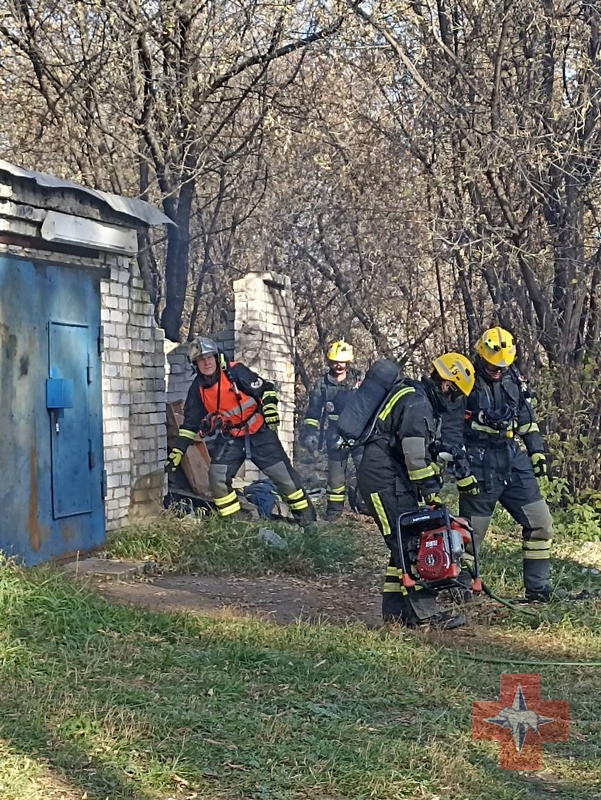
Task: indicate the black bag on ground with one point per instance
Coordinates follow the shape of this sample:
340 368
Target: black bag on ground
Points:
365 402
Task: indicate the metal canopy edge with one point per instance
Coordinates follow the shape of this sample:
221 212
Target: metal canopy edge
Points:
130 206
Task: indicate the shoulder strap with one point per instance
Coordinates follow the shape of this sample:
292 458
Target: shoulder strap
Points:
384 409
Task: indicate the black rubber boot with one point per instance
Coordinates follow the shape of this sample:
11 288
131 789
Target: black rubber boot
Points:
536 581
396 608
333 513
545 594
307 517
446 620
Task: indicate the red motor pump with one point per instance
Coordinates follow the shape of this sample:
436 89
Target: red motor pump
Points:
432 545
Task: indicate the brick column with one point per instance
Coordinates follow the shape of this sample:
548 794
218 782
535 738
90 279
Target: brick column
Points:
264 338
133 383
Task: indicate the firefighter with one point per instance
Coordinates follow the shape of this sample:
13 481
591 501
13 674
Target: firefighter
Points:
499 410
326 401
398 470
237 412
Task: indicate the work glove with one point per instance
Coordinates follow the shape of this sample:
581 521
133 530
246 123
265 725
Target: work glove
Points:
311 443
271 416
540 465
432 499
429 490
173 460
466 481
468 485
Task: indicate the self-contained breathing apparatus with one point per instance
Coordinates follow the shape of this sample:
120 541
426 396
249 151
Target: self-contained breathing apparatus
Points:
358 417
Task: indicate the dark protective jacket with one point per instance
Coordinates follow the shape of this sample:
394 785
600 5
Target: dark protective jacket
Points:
498 411
234 396
326 401
407 429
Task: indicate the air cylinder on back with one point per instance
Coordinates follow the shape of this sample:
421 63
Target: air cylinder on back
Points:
363 404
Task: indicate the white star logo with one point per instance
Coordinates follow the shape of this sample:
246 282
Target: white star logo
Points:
519 719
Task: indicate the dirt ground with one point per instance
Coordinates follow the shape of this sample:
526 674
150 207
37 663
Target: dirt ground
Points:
282 599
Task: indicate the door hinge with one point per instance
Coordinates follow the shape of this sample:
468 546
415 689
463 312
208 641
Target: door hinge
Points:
101 340
103 484
89 370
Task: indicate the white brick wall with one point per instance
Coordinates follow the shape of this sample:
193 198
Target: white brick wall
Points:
264 338
178 372
133 388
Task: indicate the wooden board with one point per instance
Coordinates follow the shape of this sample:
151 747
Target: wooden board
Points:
195 462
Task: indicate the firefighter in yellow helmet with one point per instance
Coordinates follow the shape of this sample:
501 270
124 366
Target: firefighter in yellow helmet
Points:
499 413
326 401
399 470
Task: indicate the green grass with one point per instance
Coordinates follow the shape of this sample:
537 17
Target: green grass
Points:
501 557
116 702
208 545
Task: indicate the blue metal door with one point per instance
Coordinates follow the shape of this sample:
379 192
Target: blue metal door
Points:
70 421
51 466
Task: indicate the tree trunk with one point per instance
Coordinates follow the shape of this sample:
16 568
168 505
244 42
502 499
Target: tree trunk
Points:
176 264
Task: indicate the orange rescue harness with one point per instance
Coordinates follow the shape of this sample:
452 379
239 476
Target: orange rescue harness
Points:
238 411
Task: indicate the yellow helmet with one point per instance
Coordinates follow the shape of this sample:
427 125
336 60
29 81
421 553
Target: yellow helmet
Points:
340 351
457 369
497 347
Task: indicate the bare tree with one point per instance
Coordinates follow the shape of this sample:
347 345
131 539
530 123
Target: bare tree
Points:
187 83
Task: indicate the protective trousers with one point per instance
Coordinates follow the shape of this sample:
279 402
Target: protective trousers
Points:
338 459
267 453
387 493
505 475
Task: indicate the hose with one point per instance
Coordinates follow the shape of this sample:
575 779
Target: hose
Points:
524 663
519 662
513 606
